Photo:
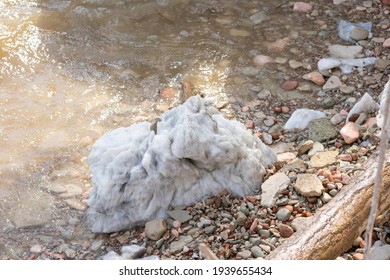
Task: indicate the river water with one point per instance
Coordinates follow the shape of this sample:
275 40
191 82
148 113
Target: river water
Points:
72 70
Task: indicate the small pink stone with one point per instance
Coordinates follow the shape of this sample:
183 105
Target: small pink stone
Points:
176 224
302 7
350 132
386 43
290 85
317 78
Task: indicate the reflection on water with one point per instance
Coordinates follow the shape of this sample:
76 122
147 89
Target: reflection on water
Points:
71 70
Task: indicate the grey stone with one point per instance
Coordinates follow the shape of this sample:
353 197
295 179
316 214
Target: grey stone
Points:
359 33
70 253
328 103
254 241
241 218
271 187
155 229
96 245
347 89
308 185
382 64
296 164
203 222
257 252
210 229
332 83
283 214
226 215
245 254
341 51
180 215
300 222
177 246
267 138
265 233
36 249
258 17
321 130
325 197
337 118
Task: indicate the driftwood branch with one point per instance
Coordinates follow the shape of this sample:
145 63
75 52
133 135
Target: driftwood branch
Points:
333 229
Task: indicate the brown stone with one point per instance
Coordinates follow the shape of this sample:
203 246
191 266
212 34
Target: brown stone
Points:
350 132
285 230
317 78
290 85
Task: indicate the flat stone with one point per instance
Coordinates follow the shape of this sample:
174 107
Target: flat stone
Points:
325 197
246 254
261 60
287 157
283 214
296 164
155 229
210 229
177 246
258 17
257 252
180 215
294 64
71 191
300 222
321 130
323 159
285 230
271 187
240 32
308 185
332 83
347 89
382 64
302 7
341 51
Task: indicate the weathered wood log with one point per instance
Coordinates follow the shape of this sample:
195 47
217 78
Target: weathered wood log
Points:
334 227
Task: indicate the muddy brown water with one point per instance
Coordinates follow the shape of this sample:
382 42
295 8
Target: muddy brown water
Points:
72 70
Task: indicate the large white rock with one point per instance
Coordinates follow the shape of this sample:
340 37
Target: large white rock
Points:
138 174
365 104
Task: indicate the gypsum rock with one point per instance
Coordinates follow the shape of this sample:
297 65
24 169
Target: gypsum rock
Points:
345 29
301 118
364 105
383 99
138 174
132 252
346 65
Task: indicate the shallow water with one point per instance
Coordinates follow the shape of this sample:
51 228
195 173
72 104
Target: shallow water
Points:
72 70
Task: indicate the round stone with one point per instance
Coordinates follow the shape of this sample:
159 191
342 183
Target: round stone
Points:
283 214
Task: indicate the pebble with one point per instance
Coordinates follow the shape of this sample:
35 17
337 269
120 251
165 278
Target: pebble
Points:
350 132
271 187
36 249
245 254
283 214
278 46
317 78
265 233
332 83
359 33
386 43
258 17
240 32
294 64
241 218
305 147
257 252
299 222
337 118
287 157
269 121
302 7
180 215
325 197
155 229
261 60
210 229
96 245
358 256
317 147
177 246
290 85
308 185
267 138
347 89
323 159
285 230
